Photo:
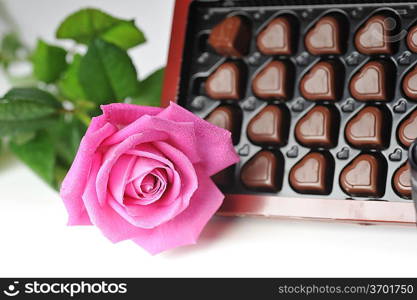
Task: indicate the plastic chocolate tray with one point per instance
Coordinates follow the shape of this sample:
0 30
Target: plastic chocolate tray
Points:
321 117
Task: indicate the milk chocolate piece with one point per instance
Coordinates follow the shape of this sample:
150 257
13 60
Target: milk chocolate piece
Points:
412 39
230 37
318 128
324 37
367 130
374 36
370 83
272 81
227 117
407 131
311 175
269 126
402 181
275 39
410 84
320 82
361 177
225 82
263 172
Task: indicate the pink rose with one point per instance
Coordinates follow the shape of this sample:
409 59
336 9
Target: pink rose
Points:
143 173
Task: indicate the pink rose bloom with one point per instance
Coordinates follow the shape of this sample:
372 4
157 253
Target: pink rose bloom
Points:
143 174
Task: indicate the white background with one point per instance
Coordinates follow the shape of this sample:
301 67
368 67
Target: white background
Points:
34 240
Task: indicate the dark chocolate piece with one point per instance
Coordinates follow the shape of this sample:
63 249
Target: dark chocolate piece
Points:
230 37
324 37
271 81
269 126
374 36
262 172
320 82
225 82
407 131
228 117
367 130
361 177
370 82
225 177
410 84
275 39
317 128
412 39
311 175
402 181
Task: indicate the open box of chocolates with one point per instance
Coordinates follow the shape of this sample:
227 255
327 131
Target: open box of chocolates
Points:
320 97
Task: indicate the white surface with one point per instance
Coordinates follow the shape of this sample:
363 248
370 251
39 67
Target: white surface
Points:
36 242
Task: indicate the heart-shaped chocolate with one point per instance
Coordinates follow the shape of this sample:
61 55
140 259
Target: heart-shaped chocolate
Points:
275 39
361 177
262 172
230 37
271 81
319 82
224 83
402 181
310 174
370 82
315 128
374 36
227 117
324 37
269 126
410 84
407 132
365 130
412 39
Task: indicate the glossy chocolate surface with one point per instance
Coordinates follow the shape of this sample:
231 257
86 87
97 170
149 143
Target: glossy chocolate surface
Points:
275 38
374 36
225 82
407 131
310 174
324 37
370 83
262 172
412 39
318 128
272 81
368 129
410 84
227 117
230 37
402 181
319 83
361 177
269 126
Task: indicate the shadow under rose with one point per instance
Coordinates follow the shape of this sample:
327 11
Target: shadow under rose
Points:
214 230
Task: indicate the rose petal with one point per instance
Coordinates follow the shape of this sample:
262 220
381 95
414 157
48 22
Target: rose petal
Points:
185 228
120 175
180 134
121 114
74 183
113 153
214 143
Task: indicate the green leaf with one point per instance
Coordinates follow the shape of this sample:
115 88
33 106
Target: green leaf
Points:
150 89
69 84
87 24
67 134
107 73
38 154
48 62
27 109
125 35
10 45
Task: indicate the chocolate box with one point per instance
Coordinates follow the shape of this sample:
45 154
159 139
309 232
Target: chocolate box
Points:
320 97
